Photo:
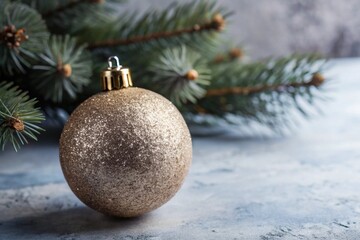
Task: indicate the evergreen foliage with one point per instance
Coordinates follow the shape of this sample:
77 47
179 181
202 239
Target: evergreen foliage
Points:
18 116
62 69
54 50
18 22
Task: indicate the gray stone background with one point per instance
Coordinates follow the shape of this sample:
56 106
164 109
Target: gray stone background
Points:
279 27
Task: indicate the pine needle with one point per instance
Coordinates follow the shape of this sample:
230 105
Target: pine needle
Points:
18 117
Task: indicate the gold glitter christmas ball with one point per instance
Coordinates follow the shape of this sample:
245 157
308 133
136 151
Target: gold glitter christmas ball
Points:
125 152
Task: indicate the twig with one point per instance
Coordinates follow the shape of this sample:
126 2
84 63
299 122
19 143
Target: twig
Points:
316 81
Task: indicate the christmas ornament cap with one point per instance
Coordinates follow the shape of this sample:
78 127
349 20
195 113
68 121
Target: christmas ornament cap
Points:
115 77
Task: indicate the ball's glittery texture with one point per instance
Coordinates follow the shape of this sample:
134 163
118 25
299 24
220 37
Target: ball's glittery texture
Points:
125 152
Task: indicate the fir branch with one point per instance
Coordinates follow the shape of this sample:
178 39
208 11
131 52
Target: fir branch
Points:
62 70
316 81
216 24
18 117
265 92
180 74
192 24
22 33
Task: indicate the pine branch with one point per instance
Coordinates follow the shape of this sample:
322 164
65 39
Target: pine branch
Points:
315 81
18 117
179 73
62 70
22 33
216 24
265 92
192 24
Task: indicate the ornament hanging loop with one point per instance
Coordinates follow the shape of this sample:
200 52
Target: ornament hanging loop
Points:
118 66
115 77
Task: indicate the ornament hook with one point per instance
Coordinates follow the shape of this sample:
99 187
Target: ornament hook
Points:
118 66
115 77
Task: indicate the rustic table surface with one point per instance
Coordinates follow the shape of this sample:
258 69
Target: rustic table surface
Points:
302 186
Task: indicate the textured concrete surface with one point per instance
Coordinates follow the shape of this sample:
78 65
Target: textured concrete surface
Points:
303 186
279 27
